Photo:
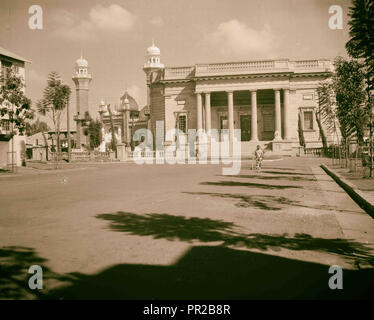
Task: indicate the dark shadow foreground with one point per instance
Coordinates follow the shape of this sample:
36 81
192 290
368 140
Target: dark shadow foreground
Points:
224 271
218 273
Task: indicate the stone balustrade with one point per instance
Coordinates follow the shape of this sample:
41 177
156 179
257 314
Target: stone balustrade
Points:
178 72
247 67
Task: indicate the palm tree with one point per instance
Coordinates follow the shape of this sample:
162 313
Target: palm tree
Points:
361 46
55 97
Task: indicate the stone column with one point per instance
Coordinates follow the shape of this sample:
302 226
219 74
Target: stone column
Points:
230 104
286 110
207 112
254 136
127 123
199 111
278 126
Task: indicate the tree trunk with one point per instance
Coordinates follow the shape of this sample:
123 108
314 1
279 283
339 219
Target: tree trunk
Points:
322 134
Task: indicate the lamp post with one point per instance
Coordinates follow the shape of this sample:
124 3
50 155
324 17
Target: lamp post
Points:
68 128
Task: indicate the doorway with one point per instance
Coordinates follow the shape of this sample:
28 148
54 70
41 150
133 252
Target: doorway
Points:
245 127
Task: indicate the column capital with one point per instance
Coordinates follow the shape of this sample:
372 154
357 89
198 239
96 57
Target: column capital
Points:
252 90
229 91
207 93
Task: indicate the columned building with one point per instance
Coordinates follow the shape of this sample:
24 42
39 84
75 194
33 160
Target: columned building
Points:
272 102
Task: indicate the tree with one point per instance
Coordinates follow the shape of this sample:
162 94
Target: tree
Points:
326 111
36 127
14 105
361 46
348 84
55 97
93 131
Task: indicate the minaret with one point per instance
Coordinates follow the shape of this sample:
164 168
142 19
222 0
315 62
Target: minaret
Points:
82 80
151 68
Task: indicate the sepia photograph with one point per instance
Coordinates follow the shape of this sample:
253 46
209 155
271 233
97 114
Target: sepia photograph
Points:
187 157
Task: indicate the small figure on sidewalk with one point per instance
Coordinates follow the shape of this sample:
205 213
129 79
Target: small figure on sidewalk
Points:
259 155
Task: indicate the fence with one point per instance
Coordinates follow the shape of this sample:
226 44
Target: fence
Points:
353 157
82 155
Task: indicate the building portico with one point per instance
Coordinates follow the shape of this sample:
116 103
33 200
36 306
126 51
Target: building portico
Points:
270 101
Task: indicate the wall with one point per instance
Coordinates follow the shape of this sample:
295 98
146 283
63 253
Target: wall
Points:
19 149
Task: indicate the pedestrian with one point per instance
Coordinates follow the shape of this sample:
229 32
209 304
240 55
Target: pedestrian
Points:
259 154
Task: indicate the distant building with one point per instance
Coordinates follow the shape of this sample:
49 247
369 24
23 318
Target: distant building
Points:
127 118
40 145
10 59
270 101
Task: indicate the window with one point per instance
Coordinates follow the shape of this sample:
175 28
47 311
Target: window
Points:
182 123
308 120
268 122
5 125
4 68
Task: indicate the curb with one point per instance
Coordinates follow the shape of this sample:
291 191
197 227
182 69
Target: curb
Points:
353 192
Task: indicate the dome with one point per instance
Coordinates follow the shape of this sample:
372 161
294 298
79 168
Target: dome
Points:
81 62
127 99
153 50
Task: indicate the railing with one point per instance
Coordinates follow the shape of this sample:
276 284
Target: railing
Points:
178 72
235 67
245 67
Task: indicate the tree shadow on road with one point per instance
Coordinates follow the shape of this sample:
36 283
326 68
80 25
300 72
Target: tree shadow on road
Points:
203 272
248 184
207 272
14 265
288 173
171 227
267 202
266 177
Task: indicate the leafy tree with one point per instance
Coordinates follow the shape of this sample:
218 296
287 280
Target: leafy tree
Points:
36 127
361 46
326 111
14 105
348 84
93 131
55 98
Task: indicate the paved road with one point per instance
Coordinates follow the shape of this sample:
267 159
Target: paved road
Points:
183 231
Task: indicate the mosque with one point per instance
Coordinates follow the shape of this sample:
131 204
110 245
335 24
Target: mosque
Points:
127 117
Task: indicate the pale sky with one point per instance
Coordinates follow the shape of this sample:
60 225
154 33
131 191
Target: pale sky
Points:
114 36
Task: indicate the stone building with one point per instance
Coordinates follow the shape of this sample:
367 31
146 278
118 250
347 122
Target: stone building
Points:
272 102
17 143
127 118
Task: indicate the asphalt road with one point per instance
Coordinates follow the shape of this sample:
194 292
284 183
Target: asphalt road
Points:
183 231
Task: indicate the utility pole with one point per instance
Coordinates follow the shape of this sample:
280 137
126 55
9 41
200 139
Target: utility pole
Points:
12 135
68 128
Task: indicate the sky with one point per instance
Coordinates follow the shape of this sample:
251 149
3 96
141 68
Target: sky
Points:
114 35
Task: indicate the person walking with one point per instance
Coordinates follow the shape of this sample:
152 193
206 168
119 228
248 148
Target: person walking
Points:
259 155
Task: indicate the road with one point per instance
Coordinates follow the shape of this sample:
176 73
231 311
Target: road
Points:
183 231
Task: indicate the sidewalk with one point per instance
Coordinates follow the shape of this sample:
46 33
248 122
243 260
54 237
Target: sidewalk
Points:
361 190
